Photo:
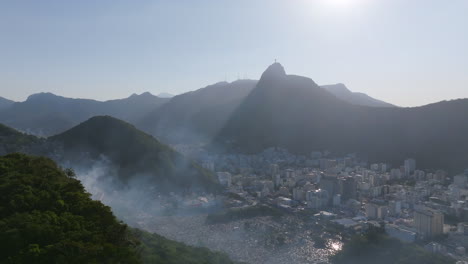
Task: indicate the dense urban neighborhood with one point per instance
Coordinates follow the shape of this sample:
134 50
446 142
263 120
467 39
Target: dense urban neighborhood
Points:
428 208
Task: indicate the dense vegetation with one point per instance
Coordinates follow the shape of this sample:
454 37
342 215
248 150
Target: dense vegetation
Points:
376 247
157 249
135 155
234 214
47 217
12 140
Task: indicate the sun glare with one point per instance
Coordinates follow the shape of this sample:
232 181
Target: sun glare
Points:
340 6
340 3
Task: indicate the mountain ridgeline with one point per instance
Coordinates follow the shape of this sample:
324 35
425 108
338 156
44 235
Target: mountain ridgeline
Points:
14 141
279 110
341 91
192 117
196 116
135 156
295 113
5 103
46 114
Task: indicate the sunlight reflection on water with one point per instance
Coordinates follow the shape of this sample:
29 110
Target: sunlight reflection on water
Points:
336 246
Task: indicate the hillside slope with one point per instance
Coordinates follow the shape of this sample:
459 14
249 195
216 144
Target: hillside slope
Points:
196 116
12 140
134 153
5 103
342 92
295 113
47 217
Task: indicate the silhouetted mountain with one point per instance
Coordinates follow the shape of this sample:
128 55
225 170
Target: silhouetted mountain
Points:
5 103
134 153
165 95
342 92
293 112
132 108
46 114
198 115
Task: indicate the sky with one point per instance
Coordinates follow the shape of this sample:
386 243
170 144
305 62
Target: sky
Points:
408 53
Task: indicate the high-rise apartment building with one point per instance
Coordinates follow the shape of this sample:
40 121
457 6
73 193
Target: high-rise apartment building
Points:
428 222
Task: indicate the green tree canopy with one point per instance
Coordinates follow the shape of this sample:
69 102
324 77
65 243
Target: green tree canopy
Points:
46 216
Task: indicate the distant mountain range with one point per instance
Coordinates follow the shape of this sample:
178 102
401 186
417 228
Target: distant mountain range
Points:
186 118
198 115
341 91
5 103
46 114
279 110
136 155
295 113
165 95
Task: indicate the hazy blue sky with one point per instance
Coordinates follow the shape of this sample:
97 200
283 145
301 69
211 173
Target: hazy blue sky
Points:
407 52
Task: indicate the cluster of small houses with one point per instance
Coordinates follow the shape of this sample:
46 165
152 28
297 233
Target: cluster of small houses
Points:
357 197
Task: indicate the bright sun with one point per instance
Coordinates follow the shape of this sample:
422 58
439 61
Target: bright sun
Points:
339 3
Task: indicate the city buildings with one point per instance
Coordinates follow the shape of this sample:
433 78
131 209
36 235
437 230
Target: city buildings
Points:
410 166
401 233
410 202
224 178
460 180
376 210
428 222
348 188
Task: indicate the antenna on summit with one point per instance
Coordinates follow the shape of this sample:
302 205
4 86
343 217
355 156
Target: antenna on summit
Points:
275 60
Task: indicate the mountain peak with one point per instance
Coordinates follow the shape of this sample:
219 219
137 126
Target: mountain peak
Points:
337 88
42 96
5 103
276 70
145 94
342 92
165 95
132 150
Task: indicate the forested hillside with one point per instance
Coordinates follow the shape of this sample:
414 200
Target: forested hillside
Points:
135 154
46 216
